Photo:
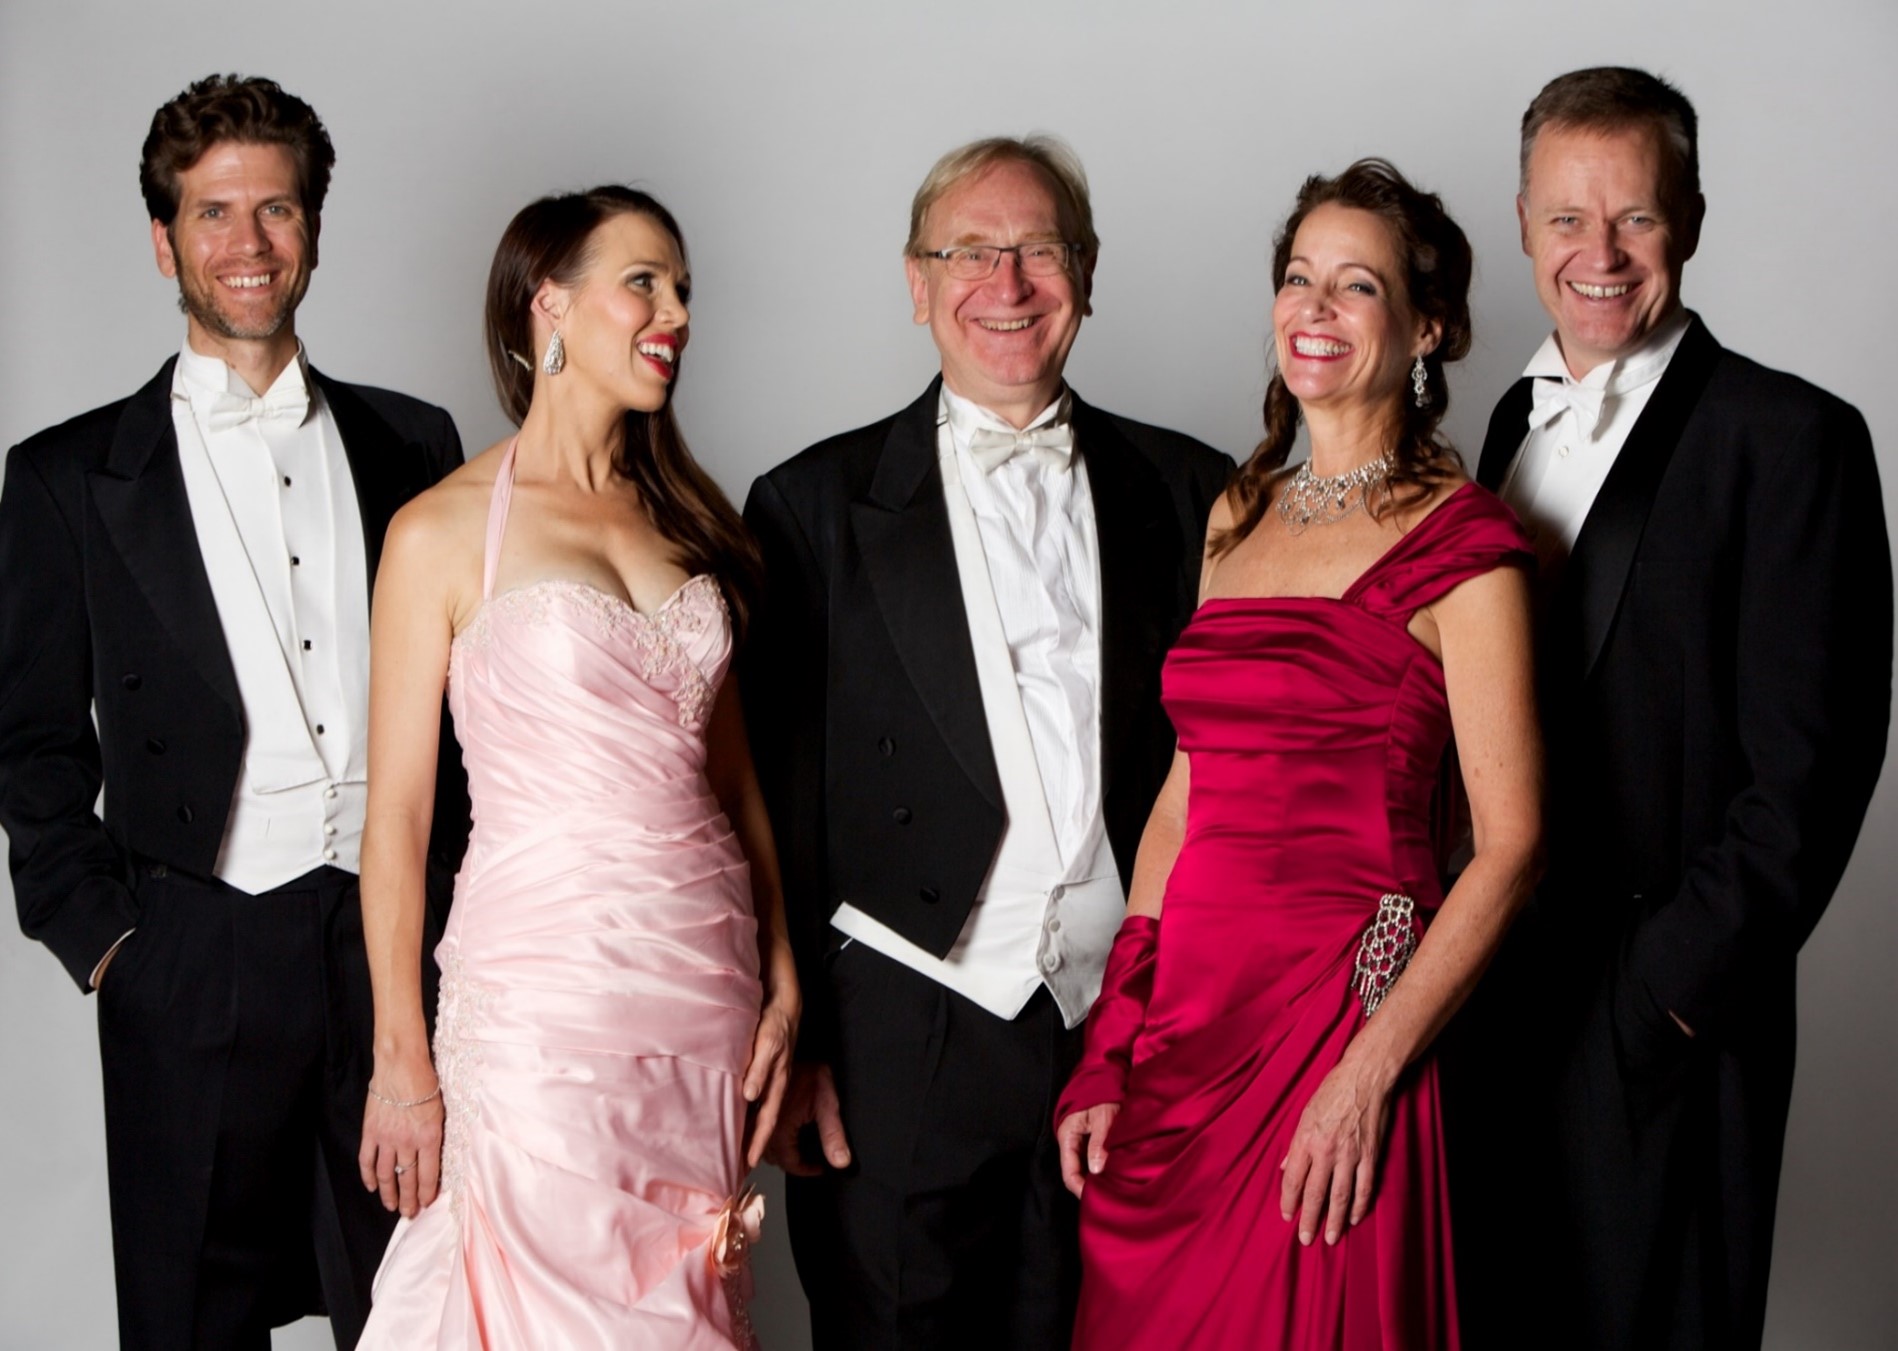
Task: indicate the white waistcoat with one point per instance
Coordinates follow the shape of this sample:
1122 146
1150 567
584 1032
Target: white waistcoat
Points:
1036 920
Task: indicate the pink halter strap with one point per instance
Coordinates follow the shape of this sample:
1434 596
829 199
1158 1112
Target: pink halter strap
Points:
497 518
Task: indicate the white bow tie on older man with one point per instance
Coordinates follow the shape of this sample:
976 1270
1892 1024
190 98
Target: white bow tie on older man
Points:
1554 397
1050 445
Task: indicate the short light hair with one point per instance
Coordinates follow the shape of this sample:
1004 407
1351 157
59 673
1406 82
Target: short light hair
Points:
1050 154
1620 98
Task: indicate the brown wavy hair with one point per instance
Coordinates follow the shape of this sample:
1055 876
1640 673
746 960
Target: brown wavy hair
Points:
1437 265
552 240
249 110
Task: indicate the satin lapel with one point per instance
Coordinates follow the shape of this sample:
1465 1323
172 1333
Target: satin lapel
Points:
902 533
1508 427
386 472
1598 568
140 496
1141 556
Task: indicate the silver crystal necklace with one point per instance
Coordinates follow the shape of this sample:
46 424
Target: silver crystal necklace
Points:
1311 499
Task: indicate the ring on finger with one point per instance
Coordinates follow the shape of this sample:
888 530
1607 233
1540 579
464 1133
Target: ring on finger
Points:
402 1168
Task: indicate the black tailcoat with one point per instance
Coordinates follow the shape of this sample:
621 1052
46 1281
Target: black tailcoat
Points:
860 682
106 610
1715 670
873 750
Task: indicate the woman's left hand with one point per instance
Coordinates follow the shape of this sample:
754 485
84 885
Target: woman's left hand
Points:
769 1071
1331 1171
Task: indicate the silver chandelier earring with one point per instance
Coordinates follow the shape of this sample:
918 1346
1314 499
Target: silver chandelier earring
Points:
555 361
1419 383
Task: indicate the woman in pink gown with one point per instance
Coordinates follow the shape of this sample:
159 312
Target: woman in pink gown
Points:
617 997
1254 1128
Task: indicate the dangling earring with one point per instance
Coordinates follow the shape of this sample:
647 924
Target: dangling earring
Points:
1419 382
556 359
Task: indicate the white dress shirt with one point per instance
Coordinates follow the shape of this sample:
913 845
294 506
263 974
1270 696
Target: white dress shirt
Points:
1028 559
274 508
1576 429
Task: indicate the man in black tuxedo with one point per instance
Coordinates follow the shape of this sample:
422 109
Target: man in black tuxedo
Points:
1716 680
191 566
953 697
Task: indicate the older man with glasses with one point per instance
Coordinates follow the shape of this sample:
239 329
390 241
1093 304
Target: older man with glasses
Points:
953 693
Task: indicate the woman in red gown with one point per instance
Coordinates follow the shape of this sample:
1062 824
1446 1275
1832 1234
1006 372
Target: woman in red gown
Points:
1254 1127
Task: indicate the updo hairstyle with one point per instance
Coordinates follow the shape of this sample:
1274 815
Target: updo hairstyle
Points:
1435 257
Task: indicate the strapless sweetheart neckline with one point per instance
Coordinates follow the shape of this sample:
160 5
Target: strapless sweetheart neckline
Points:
595 595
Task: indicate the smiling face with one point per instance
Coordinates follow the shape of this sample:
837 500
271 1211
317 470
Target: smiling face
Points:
1606 237
240 247
1344 331
1004 339
624 322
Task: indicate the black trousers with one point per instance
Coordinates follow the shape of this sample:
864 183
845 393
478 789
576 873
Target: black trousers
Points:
235 1040
951 1228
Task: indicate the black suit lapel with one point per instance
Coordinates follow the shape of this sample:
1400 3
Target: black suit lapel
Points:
1597 574
140 496
902 532
385 472
1508 426
1557 627
1140 552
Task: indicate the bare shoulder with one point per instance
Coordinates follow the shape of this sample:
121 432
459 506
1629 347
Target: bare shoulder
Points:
435 541
437 517
1222 515
1408 513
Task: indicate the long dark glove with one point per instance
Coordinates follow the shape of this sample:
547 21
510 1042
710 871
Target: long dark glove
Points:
1115 1020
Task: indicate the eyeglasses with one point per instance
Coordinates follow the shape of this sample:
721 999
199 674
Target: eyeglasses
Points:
973 262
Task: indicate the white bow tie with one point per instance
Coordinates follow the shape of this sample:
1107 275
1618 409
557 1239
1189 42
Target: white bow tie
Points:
1552 397
288 406
1051 445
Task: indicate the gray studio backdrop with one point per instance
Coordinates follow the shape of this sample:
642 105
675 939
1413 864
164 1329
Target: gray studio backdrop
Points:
788 138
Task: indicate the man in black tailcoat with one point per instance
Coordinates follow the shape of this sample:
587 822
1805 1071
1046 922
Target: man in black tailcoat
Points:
1715 662
953 696
191 568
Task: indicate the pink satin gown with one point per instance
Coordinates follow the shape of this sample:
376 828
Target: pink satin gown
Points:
599 991
1315 729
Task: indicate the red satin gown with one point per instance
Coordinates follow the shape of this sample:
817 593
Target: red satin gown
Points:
1315 730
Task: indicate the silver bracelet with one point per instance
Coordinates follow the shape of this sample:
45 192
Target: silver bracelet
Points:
412 1102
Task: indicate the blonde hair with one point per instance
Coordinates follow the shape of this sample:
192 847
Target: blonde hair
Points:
1050 154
